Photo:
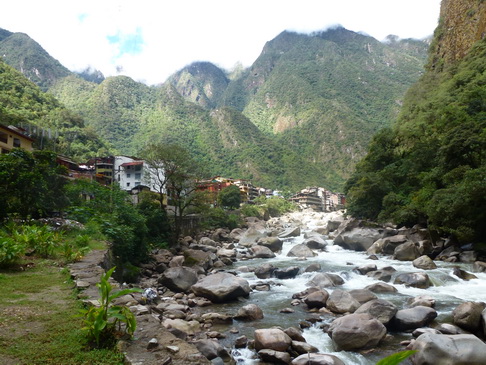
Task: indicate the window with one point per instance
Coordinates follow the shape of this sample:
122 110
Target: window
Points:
138 176
16 142
3 137
128 184
138 167
129 175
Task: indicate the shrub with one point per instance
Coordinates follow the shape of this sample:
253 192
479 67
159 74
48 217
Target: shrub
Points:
11 251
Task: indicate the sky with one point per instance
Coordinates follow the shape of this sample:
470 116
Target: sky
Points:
148 40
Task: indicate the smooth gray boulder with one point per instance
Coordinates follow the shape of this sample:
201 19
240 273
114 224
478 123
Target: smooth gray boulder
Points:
407 251
364 269
262 252
448 350
264 271
317 359
271 338
356 331
211 349
178 279
317 299
221 287
412 318
315 243
362 295
381 288
273 243
287 273
274 357
301 250
359 238
414 279
250 237
424 262
325 280
468 315
303 347
341 301
249 312
383 274
290 232
381 309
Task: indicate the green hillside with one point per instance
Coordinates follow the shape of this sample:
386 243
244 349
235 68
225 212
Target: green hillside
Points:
431 166
26 55
23 104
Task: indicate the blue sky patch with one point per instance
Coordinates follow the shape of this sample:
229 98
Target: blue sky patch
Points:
127 43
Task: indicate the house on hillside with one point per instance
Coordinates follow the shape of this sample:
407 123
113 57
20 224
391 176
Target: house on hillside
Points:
12 137
319 199
132 172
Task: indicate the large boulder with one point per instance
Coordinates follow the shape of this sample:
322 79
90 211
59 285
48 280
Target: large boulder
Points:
356 331
325 280
315 242
384 274
249 312
178 279
290 232
301 250
414 279
407 251
287 273
273 243
381 309
424 262
359 238
264 271
250 237
221 287
448 350
303 347
341 301
317 359
411 318
381 288
362 295
468 315
317 299
271 338
274 357
211 349
391 243
262 252
198 258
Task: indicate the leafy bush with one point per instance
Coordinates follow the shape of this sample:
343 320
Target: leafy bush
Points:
275 206
103 324
11 251
248 210
40 239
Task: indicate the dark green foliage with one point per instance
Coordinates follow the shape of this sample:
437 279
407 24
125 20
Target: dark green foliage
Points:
430 167
31 184
230 197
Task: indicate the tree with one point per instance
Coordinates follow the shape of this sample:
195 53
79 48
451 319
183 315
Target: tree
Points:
174 173
31 184
230 197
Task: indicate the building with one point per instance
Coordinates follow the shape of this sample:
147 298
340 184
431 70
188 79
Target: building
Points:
132 172
319 199
13 137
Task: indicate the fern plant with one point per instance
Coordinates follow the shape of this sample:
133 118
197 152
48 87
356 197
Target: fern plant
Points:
106 322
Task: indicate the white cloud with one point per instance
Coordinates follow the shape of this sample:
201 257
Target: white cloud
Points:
176 33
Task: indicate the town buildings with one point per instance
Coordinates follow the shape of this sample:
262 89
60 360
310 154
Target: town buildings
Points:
319 199
13 137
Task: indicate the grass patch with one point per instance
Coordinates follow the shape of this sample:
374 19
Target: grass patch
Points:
37 323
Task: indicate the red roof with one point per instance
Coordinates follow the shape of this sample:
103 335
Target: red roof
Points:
135 163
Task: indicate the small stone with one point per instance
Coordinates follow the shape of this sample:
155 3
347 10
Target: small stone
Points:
287 310
173 349
152 344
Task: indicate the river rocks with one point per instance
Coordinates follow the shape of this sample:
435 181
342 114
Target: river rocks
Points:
381 309
317 359
356 331
286 273
301 250
315 243
271 338
468 315
249 312
250 237
411 318
468 256
198 258
221 287
317 299
423 300
381 288
424 262
178 279
211 349
462 274
407 251
341 301
359 238
391 243
303 347
416 280
180 325
362 295
273 243
290 232
325 280
264 271
262 252
364 269
480 266
384 274
448 349
274 357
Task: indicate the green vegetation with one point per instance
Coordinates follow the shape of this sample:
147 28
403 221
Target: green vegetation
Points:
430 166
104 322
36 319
230 197
397 358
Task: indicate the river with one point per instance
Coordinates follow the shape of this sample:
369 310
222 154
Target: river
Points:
448 291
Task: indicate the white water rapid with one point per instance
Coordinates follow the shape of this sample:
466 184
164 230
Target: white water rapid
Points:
448 291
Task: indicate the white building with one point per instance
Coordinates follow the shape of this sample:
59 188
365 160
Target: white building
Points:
131 172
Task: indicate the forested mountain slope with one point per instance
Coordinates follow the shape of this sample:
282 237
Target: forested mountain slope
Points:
430 167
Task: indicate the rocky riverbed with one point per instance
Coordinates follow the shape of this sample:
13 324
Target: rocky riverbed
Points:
310 288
